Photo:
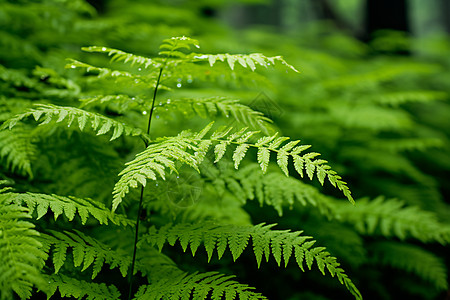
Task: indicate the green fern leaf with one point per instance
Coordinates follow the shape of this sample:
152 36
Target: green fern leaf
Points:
118 55
67 206
236 238
18 150
229 108
60 113
21 254
412 259
185 148
392 218
245 60
71 287
86 251
198 286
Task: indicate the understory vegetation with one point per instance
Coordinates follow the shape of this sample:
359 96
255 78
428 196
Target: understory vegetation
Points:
150 152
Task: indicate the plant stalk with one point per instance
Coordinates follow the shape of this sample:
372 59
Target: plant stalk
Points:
138 218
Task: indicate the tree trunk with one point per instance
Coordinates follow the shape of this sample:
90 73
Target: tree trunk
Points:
386 14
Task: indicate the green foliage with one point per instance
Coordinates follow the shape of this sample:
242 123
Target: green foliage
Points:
21 253
69 206
411 259
199 286
86 252
70 287
391 218
99 123
281 244
67 219
191 148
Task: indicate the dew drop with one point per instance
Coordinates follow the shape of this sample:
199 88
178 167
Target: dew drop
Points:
157 117
168 101
178 85
189 80
156 184
197 46
179 79
144 112
133 98
136 81
103 49
72 66
140 69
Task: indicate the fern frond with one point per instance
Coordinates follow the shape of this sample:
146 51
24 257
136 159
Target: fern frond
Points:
118 55
69 206
191 149
122 102
273 189
412 259
171 47
245 60
213 106
391 218
210 285
79 289
282 244
279 191
98 122
146 80
86 252
18 150
21 254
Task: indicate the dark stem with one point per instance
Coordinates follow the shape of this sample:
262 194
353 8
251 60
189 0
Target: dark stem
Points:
136 234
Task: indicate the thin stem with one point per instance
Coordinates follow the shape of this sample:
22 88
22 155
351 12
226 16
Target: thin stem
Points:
136 234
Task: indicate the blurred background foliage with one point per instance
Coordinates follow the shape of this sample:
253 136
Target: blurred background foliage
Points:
372 97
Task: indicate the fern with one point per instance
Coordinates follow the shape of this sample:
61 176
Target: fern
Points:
210 285
212 106
79 289
191 149
69 206
86 252
273 189
390 218
21 254
98 122
281 244
18 151
411 259
246 61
